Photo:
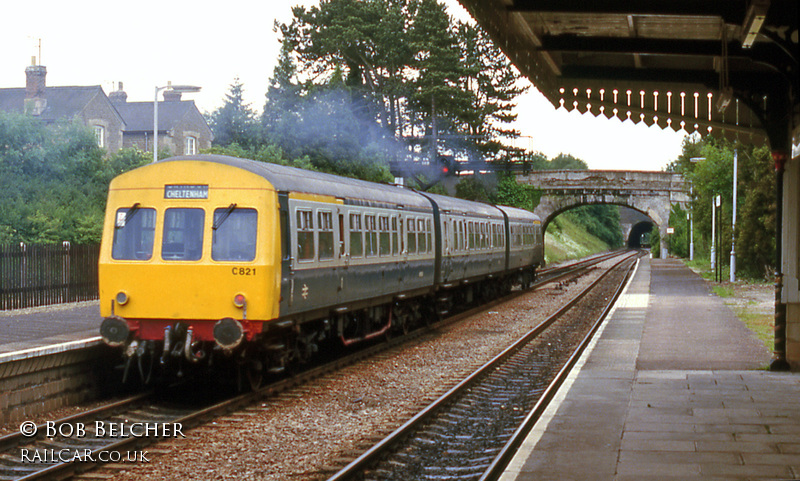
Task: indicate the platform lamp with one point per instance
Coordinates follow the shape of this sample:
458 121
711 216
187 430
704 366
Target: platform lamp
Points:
175 88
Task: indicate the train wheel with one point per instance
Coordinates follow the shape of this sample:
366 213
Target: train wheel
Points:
146 361
401 319
251 372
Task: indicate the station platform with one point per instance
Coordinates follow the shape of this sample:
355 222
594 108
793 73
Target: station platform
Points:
27 331
673 387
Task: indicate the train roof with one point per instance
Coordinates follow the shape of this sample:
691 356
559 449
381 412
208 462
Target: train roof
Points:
454 205
515 213
354 191
292 179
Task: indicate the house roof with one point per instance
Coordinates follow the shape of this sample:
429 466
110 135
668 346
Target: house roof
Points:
138 116
62 102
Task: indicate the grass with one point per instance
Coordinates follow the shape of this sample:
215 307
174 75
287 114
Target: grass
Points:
569 242
760 322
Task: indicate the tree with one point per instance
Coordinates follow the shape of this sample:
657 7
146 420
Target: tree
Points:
53 182
235 121
418 85
711 174
494 86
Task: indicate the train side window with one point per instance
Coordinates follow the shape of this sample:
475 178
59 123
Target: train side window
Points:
183 234
305 235
134 232
325 235
411 231
356 235
341 235
395 243
429 233
371 236
234 234
384 242
422 242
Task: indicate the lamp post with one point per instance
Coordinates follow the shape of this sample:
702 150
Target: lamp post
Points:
714 235
733 224
175 88
718 271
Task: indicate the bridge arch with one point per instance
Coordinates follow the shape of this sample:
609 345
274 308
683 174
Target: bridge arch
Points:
651 193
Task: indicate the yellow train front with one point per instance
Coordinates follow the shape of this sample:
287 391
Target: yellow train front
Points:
186 245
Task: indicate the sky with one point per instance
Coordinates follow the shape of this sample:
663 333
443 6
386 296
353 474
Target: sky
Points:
150 43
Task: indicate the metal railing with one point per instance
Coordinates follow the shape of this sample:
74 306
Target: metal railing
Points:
37 275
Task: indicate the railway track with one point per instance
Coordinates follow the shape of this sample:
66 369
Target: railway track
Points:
472 431
70 452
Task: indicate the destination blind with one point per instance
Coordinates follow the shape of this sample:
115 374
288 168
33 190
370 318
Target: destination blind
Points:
186 191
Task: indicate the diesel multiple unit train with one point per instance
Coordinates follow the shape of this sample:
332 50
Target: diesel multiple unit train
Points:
210 260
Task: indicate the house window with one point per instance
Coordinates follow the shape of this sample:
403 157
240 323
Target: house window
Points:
100 135
191 146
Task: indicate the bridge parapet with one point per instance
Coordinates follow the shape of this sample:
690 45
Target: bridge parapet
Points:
609 181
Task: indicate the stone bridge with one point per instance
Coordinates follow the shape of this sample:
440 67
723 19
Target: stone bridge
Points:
651 193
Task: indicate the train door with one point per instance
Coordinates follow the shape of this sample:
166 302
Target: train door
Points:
447 254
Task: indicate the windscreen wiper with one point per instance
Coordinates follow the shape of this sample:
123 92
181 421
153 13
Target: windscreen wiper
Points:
128 215
218 223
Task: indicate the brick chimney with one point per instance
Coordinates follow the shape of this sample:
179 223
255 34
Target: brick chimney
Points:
172 96
118 96
35 99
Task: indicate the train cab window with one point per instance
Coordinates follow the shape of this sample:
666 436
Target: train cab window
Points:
183 234
411 230
325 235
384 241
305 235
134 231
356 235
234 234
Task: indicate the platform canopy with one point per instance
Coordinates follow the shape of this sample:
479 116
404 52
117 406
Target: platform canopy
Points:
725 67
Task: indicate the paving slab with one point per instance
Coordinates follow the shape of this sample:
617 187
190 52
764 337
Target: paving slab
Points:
26 329
673 387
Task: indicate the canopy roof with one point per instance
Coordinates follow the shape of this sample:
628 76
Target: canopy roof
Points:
728 67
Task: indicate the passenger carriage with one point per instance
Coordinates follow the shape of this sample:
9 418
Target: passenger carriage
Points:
213 257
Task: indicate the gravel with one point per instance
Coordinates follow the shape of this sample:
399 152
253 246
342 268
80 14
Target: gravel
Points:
309 432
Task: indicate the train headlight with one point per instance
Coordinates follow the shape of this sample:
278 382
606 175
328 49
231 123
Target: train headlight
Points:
239 300
228 333
121 298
